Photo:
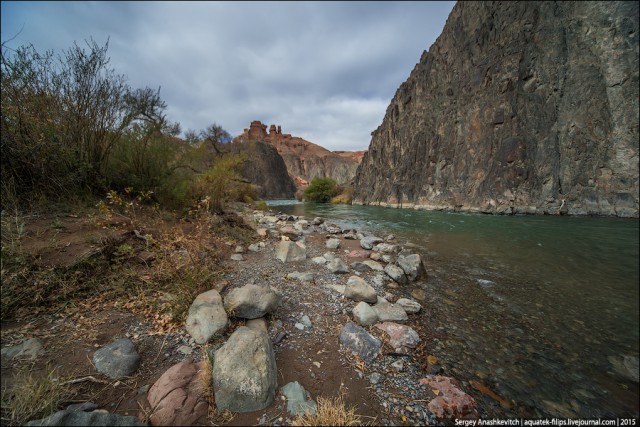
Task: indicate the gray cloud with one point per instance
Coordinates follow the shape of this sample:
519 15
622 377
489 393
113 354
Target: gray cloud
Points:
325 71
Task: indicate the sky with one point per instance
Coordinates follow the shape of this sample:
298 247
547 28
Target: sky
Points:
324 71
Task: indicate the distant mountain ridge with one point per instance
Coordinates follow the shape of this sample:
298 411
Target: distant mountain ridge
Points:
304 159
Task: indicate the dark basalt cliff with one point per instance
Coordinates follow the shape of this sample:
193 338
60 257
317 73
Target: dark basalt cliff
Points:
518 107
265 168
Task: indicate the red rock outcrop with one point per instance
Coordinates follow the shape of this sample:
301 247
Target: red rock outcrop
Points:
305 160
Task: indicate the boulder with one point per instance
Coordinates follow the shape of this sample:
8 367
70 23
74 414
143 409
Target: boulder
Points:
290 232
333 244
337 266
402 338
450 403
117 360
245 372
390 312
319 260
364 314
329 256
412 266
89 419
175 399
251 301
396 273
301 225
359 342
206 317
359 266
358 289
369 242
358 253
259 324
318 220
299 400
289 251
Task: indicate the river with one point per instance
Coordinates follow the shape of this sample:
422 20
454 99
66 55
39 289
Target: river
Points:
542 310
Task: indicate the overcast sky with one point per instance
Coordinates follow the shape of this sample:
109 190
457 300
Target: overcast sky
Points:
324 71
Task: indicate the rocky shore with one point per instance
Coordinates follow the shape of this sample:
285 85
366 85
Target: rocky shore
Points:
308 310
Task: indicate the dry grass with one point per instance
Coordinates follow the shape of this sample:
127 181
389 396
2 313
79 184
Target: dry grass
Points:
330 412
32 398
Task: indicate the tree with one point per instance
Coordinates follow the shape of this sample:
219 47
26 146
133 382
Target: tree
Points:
321 190
191 136
214 133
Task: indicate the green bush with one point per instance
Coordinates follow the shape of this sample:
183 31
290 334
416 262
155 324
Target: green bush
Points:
321 190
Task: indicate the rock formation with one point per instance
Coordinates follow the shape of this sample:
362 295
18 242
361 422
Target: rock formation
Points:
305 160
266 169
518 107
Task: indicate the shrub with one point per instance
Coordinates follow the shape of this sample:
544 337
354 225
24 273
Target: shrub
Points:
321 190
344 198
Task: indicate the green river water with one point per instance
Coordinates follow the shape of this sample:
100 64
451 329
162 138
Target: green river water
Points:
542 310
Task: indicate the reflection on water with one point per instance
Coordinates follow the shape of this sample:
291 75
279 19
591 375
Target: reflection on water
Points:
543 310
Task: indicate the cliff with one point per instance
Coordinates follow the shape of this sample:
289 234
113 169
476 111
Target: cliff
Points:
265 168
305 160
518 107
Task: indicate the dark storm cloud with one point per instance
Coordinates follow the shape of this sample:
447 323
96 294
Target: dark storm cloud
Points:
324 71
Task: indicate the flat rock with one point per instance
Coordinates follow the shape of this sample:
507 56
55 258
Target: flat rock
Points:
358 289
358 253
289 251
303 277
387 248
329 256
240 249
89 419
402 338
396 273
319 260
237 257
359 266
259 324
251 301
174 398
332 243
30 348
364 314
245 372
369 242
290 232
337 266
410 306
412 266
299 400
118 359
255 247
360 342
450 403
373 265
419 294
390 312
207 317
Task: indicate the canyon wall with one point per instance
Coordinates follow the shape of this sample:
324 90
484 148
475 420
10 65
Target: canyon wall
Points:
305 160
518 107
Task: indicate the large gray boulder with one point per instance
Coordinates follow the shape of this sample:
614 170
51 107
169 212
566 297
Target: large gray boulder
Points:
332 243
288 251
360 342
244 372
117 360
89 419
358 289
251 301
396 273
175 399
206 317
412 266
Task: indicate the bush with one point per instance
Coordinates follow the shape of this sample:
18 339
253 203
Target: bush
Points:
321 190
344 198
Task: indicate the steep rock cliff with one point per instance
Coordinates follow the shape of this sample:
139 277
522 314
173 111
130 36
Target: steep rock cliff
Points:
305 160
265 168
518 107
